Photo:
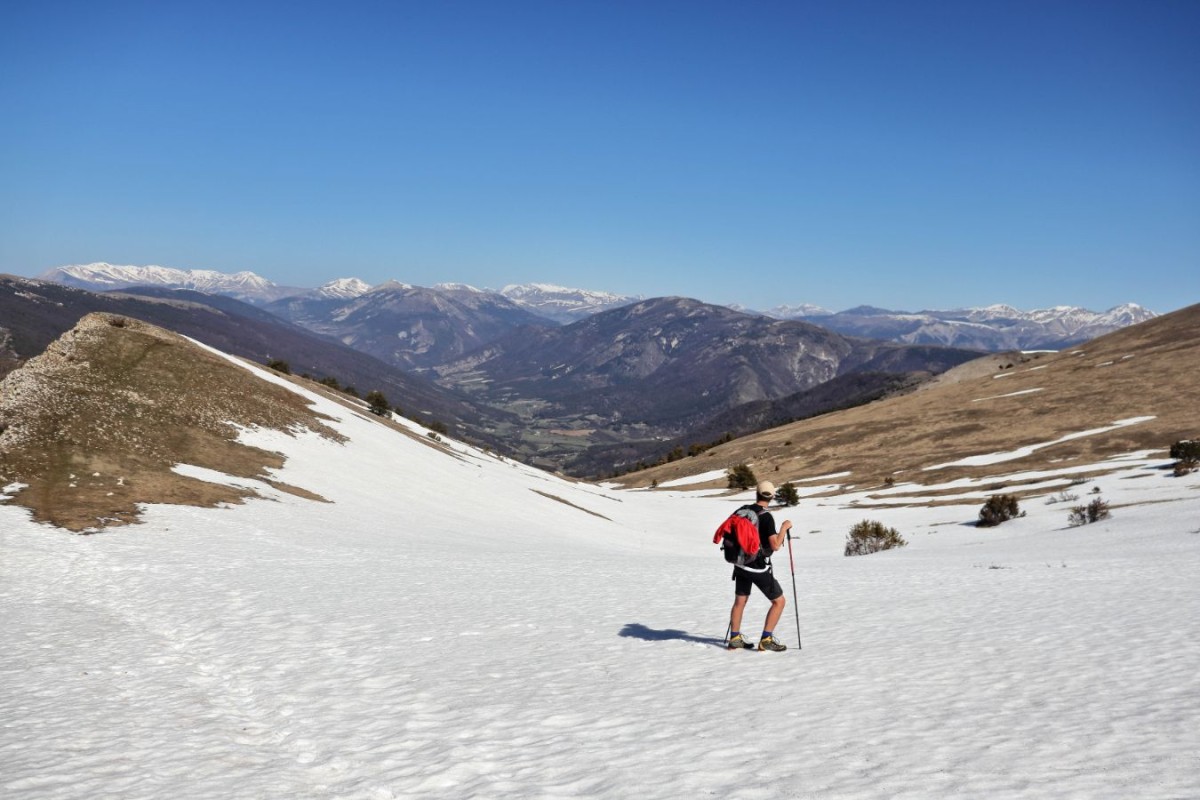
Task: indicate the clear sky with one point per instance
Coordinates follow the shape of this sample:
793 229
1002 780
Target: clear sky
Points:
900 154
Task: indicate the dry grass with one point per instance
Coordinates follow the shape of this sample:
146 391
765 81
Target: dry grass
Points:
1146 370
94 425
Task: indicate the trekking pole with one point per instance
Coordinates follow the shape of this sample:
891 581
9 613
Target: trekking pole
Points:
795 602
728 630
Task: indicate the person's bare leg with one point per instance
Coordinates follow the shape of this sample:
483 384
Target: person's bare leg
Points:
774 613
735 613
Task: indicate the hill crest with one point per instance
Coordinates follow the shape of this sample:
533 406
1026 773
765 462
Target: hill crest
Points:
1032 410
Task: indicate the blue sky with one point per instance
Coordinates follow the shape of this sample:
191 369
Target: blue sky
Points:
900 154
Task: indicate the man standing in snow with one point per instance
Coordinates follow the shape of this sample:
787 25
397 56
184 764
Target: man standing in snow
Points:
759 573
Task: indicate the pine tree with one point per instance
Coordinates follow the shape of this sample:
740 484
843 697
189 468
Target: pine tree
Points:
787 495
741 477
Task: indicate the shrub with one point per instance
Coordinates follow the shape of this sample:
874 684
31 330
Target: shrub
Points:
870 536
742 477
1092 512
1187 455
377 403
998 508
1063 497
787 495
280 366
332 383
1186 450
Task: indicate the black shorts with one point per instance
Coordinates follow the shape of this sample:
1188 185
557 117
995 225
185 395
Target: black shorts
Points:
765 581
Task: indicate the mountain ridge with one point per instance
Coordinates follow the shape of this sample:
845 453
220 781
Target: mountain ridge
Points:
1027 409
995 327
656 369
35 313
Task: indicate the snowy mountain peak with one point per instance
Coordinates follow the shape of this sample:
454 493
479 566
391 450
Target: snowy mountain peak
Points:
561 303
533 289
995 311
1125 314
343 289
793 312
457 287
391 286
102 277
994 327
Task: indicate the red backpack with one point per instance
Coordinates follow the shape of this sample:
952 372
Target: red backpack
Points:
738 537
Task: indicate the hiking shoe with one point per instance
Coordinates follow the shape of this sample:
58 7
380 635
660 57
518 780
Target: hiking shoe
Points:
771 643
739 643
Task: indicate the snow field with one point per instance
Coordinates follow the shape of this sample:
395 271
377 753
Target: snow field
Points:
442 629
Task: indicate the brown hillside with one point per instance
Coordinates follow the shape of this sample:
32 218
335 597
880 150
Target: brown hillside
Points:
1151 369
93 426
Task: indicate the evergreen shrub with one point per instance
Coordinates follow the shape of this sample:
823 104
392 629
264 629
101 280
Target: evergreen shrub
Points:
377 403
998 508
786 495
1186 453
741 477
870 536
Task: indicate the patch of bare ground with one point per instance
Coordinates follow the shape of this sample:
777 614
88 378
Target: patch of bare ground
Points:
93 426
1003 403
556 498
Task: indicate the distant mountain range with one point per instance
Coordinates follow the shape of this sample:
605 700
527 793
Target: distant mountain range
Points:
554 303
566 378
660 368
992 328
562 304
101 277
409 326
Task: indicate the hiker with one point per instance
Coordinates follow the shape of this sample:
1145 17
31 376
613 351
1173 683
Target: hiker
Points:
759 573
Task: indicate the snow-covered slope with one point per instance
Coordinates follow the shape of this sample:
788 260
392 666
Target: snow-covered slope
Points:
451 624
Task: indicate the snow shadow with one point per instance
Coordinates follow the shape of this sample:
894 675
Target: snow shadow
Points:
636 630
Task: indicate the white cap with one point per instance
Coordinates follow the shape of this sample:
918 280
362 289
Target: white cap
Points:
766 489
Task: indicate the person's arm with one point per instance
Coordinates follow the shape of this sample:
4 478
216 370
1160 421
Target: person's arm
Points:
778 539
